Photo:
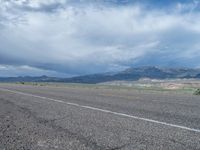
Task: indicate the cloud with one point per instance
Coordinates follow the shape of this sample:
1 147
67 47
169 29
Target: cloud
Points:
14 71
71 37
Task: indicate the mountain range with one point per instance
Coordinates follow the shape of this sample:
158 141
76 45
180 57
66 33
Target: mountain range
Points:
132 74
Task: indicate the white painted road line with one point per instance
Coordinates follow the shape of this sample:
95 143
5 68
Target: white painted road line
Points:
103 110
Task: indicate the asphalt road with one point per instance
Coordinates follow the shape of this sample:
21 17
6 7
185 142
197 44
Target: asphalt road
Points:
64 118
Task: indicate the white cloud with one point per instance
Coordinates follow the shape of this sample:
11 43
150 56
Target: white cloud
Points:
14 71
92 38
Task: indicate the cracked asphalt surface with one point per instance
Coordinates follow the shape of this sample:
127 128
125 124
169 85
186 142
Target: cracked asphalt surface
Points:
31 123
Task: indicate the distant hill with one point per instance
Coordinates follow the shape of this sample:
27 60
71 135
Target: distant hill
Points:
30 79
128 74
138 73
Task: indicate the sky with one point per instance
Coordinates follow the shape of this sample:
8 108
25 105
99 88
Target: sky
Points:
66 38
